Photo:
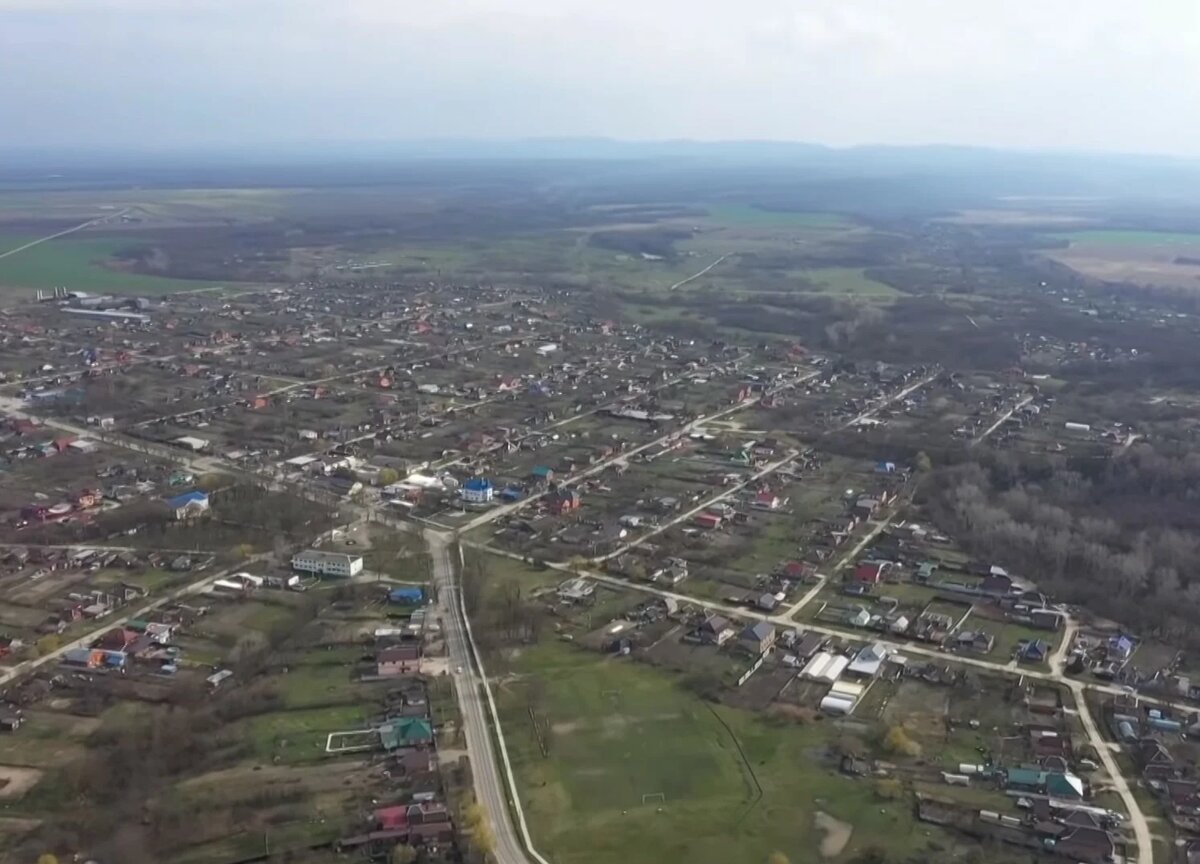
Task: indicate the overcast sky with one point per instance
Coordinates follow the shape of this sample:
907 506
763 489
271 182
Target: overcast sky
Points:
1093 74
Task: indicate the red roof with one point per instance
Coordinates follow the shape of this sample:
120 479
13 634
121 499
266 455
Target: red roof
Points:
392 818
708 520
870 572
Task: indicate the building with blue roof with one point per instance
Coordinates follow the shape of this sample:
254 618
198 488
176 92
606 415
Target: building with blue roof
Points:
409 595
477 490
189 505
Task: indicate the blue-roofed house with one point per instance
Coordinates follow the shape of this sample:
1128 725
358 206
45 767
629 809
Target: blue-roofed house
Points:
1120 647
1035 651
542 473
409 595
477 490
189 505
512 493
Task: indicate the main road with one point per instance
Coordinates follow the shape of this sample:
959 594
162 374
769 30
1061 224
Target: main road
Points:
492 790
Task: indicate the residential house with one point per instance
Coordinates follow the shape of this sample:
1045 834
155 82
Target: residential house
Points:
189 505
758 638
398 660
1153 759
973 640
871 572
765 500
715 630
1034 651
563 501
707 521
868 661
1120 647
405 732
541 474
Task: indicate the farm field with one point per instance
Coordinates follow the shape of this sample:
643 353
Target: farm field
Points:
616 732
79 263
1138 257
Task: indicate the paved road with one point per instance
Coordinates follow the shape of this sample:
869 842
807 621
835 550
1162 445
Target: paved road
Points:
491 778
79 227
683 282
88 638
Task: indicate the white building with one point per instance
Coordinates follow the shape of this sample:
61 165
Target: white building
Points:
547 349
327 563
189 442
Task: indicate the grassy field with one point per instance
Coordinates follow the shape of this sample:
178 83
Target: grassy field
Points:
748 215
1129 238
848 281
618 731
78 263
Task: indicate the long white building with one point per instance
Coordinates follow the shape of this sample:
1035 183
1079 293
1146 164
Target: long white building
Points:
327 563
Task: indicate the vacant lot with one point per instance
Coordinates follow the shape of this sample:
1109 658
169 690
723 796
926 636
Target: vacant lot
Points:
613 732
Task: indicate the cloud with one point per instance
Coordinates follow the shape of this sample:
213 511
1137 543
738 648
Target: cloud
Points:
1108 74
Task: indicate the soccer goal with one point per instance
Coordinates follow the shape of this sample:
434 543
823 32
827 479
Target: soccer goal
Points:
654 798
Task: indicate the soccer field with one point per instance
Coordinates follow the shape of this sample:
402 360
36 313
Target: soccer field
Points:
615 732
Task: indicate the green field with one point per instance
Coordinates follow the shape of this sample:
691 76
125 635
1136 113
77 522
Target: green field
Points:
79 264
848 280
750 216
1129 238
619 731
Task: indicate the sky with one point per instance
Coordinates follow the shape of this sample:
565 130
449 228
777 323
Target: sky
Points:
1104 75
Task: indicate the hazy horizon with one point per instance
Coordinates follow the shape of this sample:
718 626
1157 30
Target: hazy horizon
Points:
167 74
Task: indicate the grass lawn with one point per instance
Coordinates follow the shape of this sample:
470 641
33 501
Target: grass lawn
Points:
300 736
1129 238
1008 635
619 730
151 580
78 262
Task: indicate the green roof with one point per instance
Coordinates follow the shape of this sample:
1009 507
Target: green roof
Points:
405 731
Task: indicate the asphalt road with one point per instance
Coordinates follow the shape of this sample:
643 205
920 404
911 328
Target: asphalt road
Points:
491 788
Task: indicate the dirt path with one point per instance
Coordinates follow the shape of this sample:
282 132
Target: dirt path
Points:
15 782
837 834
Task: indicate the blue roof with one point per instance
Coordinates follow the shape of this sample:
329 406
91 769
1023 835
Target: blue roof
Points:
478 484
412 594
542 470
187 498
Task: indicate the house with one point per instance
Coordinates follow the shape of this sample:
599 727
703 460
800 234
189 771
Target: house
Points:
405 732
408 595
327 563
1153 759
398 660
578 590
1120 647
189 505
564 501
1034 651
871 572
758 638
996 584
973 640
868 661
541 474
1086 845
809 645
858 617
1064 785
715 630
10 719
477 490
857 589
765 500
707 521
767 602
899 624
